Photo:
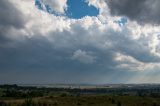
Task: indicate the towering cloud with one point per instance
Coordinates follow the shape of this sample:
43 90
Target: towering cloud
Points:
114 46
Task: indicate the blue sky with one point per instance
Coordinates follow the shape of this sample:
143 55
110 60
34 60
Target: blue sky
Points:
77 41
80 8
76 9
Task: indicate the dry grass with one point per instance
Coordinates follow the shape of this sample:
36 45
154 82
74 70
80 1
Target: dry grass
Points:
89 100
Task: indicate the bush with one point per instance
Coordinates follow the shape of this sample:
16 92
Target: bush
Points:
2 103
55 103
119 103
113 101
154 104
79 103
63 95
28 102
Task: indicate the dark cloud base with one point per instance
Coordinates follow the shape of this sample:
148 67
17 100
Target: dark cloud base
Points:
142 11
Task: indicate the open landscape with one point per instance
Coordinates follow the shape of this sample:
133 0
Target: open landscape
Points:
79 52
115 95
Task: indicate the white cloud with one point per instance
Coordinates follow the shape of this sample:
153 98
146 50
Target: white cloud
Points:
59 6
130 63
95 39
83 56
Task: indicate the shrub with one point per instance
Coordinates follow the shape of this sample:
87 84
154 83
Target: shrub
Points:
63 95
55 103
113 101
119 103
154 104
28 102
79 103
2 103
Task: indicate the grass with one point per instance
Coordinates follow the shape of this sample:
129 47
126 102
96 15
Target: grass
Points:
91 100
1 92
31 96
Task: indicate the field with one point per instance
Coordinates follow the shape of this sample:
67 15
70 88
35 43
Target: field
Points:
31 96
85 100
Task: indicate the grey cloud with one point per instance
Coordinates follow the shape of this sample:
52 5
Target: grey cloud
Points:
83 56
134 48
36 58
10 19
142 11
47 58
10 15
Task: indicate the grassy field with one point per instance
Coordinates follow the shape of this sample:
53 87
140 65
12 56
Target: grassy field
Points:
86 100
13 95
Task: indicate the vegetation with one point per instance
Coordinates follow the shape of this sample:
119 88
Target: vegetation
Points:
12 95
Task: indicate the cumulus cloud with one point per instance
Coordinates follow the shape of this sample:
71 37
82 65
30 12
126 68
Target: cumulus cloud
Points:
89 49
7 19
131 63
59 6
83 57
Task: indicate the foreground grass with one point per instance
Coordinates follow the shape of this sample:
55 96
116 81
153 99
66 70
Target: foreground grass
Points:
85 100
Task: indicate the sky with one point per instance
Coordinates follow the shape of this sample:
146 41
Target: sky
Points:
79 41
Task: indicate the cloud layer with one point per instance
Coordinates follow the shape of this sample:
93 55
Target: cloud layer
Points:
142 11
45 48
